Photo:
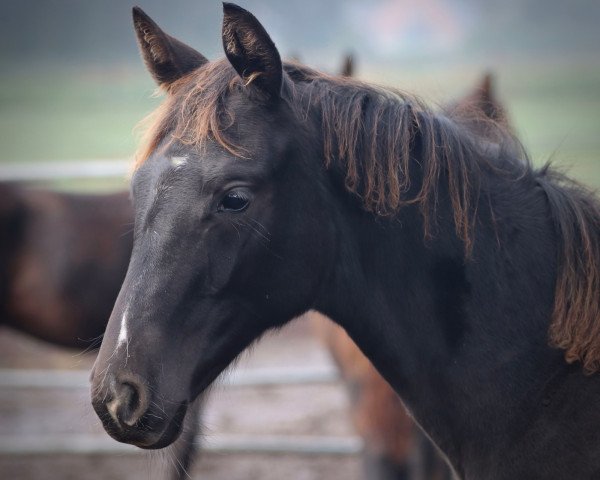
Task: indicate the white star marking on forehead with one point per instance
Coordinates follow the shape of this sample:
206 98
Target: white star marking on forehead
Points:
179 161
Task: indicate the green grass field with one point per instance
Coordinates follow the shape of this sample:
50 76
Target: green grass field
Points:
71 116
91 114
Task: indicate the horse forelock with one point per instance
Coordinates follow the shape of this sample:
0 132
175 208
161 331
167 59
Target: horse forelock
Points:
194 110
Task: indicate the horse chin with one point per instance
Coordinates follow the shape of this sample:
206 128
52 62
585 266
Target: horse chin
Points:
170 433
150 439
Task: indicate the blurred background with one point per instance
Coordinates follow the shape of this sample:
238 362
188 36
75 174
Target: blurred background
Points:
72 88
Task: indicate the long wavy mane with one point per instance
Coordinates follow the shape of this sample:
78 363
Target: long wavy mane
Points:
371 134
575 323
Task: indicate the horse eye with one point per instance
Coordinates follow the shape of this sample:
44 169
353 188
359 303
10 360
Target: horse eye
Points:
234 201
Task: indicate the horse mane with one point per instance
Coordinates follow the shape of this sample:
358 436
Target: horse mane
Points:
575 325
370 133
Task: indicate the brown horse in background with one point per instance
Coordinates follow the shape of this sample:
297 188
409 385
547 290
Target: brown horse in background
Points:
395 447
64 258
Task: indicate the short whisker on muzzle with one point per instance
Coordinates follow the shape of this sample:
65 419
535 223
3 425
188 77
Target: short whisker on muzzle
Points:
148 414
161 408
92 344
100 386
174 458
161 397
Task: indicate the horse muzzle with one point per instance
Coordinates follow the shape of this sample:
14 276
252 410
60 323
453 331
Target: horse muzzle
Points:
130 413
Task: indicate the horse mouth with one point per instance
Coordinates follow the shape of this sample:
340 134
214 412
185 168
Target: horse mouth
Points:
146 435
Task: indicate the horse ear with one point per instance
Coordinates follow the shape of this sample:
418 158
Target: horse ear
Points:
485 96
166 58
251 51
348 66
486 87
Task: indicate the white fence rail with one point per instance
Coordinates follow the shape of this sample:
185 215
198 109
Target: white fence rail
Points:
226 443
46 171
44 444
255 377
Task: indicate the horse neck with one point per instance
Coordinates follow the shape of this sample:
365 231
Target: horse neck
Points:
381 287
432 321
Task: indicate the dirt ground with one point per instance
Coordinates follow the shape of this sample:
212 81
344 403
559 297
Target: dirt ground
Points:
275 414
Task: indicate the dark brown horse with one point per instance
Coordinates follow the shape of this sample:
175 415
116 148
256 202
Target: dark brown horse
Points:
470 279
395 447
64 257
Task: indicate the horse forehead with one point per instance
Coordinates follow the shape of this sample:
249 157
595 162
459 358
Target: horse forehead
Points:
215 167
257 126
209 164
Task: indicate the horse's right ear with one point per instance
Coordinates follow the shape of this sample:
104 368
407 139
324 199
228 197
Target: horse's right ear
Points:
166 58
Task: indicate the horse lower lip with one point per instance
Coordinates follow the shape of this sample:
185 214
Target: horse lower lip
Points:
160 443
169 434
148 439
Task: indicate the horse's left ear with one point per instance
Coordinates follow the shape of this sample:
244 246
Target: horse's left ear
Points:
251 51
348 66
486 87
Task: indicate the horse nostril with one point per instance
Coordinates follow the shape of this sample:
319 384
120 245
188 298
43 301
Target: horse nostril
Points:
129 401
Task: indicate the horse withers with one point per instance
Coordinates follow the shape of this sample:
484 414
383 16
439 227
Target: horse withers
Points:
467 277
